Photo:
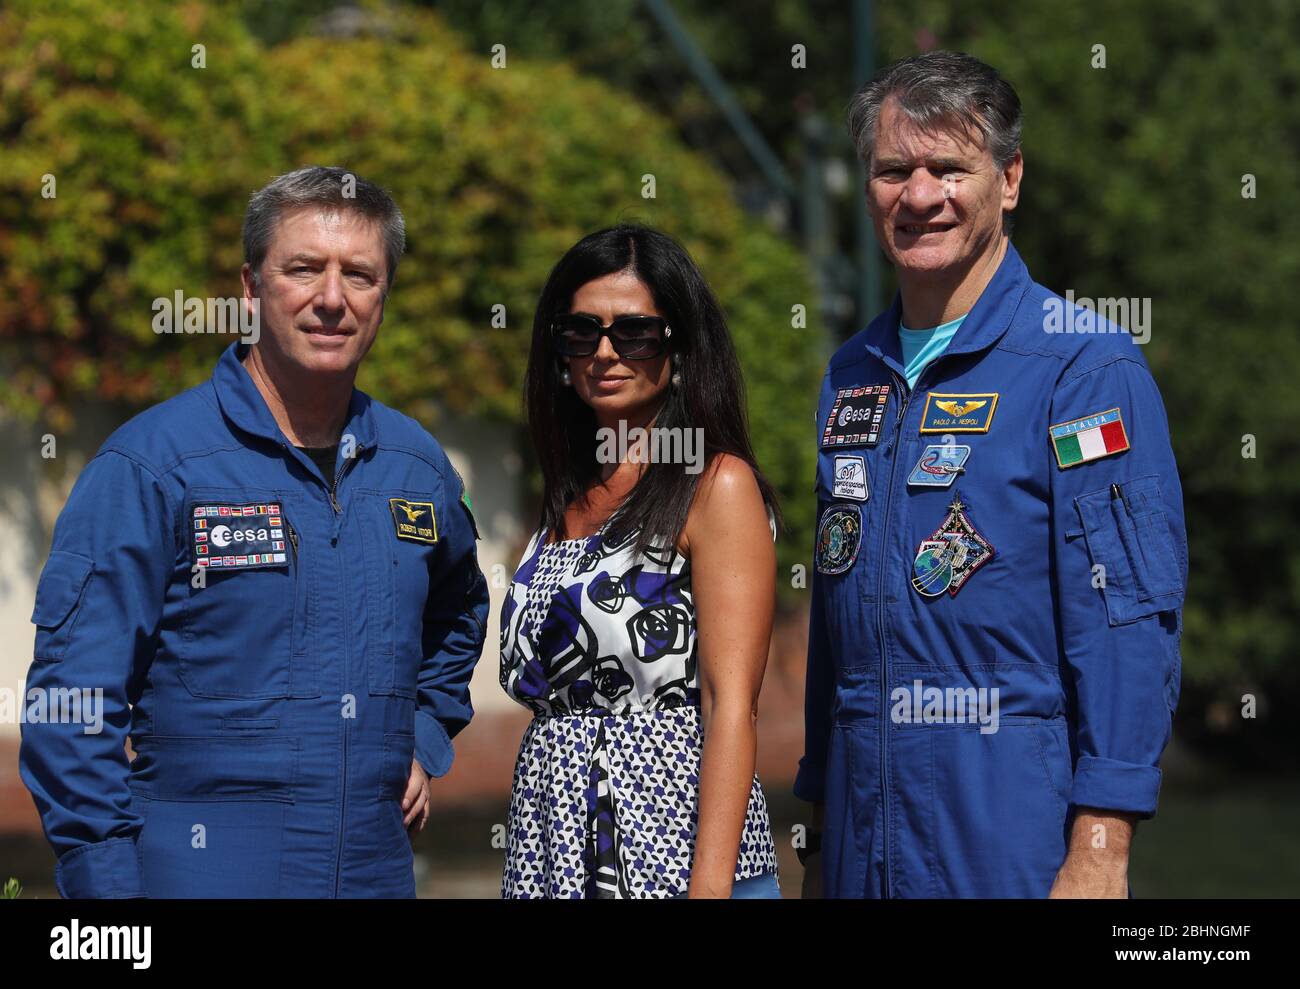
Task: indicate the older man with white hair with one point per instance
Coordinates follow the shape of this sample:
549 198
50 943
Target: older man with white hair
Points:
993 659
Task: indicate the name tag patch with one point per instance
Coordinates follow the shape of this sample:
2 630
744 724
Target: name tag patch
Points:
939 465
238 537
947 413
414 520
856 416
850 478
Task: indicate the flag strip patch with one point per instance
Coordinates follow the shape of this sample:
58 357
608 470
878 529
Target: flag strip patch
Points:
238 536
1089 438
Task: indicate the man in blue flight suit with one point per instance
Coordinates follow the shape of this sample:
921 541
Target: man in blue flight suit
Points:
273 580
1000 561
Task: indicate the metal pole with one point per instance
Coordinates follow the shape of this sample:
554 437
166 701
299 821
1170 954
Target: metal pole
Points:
699 63
868 256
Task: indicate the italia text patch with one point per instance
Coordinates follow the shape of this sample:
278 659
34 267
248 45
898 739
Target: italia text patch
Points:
414 520
855 417
1090 438
238 537
945 413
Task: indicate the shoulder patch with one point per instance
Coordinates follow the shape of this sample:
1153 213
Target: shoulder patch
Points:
464 500
1089 437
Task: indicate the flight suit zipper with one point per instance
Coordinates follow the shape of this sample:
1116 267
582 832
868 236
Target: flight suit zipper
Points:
880 619
343 793
893 445
338 476
298 586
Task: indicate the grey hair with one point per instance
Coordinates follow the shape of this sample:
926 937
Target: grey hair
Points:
939 88
321 186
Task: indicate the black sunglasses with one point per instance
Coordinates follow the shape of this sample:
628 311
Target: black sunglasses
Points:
636 338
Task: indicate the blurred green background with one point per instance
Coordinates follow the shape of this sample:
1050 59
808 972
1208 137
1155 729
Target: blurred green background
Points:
1134 181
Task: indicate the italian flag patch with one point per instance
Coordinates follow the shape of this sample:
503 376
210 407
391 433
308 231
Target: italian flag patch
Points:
1090 438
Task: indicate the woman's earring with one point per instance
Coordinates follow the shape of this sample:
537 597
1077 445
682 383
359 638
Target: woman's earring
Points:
565 377
677 375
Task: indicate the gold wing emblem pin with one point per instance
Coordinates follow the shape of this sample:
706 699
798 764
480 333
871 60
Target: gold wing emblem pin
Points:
411 513
960 408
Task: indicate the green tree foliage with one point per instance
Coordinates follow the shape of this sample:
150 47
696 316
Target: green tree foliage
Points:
498 171
1133 188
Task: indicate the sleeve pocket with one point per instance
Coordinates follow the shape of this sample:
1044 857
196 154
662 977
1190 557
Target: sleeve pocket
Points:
60 588
1128 536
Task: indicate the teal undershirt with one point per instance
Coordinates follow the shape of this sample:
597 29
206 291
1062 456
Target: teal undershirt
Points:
920 347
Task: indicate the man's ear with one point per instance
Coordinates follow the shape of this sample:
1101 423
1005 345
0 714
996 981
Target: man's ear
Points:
1011 176
250 291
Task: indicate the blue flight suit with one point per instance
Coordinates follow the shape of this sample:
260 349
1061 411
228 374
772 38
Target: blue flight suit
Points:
277 654
1030 540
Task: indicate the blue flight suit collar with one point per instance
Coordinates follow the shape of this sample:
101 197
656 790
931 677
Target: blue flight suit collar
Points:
985 324
244 407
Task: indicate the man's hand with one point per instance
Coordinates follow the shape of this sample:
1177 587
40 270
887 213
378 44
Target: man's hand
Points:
814 884
814 888
415 802
1096 866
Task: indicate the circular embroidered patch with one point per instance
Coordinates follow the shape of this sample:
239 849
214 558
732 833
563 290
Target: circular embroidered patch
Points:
839 535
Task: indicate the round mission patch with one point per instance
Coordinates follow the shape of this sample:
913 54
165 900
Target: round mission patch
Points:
839 534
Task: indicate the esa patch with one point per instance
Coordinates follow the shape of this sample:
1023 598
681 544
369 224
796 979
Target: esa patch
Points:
413 520
238 537
948 413
850 480
839 536
855 417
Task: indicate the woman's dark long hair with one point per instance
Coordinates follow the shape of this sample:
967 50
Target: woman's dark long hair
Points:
711 395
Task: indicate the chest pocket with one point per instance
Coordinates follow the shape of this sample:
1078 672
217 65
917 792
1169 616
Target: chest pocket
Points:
400 544
246 630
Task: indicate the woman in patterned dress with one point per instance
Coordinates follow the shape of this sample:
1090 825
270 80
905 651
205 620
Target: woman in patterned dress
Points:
637 625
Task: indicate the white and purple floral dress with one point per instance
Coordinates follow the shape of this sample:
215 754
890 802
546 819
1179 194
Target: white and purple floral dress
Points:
600 644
